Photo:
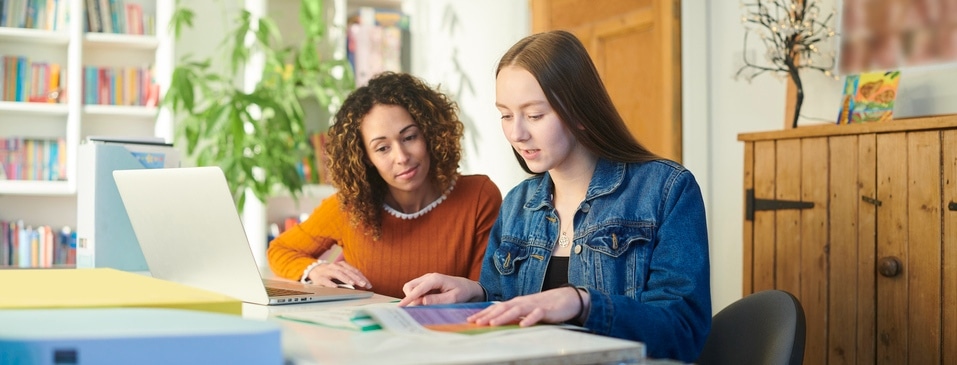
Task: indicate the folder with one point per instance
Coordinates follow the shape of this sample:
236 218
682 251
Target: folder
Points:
104 288
104 234
141 336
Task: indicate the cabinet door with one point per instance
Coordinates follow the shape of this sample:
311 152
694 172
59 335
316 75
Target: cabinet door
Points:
949 305
852 222
787 248
909 248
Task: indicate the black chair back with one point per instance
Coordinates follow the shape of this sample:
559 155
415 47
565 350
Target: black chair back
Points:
764 328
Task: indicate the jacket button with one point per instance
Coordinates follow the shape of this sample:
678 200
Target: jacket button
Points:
585 207
578 249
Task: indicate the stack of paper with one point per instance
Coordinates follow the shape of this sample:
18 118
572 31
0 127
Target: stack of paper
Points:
103 287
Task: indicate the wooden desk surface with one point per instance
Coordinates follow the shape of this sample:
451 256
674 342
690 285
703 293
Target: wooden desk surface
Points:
314 344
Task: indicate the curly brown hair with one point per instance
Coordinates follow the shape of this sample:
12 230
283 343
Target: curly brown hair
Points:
360 188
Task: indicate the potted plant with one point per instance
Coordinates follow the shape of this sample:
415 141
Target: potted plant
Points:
258 137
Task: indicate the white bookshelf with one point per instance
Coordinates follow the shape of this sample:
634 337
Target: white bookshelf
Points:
54 202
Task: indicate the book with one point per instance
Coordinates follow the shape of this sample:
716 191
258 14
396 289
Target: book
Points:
869 97
442 318
411 320
104 288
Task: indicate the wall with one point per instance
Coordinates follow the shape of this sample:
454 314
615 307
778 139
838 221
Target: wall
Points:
457 47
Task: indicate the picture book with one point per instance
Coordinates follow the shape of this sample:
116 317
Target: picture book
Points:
425 319
442 318
869 97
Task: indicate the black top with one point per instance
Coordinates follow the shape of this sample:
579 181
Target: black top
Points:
557 273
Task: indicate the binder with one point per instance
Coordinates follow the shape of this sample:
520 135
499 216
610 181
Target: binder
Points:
105 237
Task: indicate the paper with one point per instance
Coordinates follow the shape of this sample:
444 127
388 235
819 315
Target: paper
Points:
345 318
104 287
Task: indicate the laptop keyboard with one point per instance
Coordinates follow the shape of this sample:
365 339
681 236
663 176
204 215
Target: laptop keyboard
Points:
271 291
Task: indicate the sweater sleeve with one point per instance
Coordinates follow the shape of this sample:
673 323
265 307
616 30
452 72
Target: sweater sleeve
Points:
489 201
296 248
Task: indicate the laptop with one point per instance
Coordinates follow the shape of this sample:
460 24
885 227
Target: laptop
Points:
190 233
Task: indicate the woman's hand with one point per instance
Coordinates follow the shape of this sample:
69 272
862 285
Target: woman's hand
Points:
436 288
334 273
551 306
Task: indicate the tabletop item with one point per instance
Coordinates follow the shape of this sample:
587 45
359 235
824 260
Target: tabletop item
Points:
135 336
190 233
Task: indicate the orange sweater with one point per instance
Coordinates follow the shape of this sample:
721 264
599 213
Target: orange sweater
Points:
449 239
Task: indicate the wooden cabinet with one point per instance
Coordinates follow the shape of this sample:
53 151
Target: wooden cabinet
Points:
860 223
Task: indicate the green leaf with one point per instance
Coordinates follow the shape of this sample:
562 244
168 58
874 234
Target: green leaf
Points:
311 18
182 17
264 129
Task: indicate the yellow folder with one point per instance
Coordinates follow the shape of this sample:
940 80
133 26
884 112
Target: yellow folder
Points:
104 287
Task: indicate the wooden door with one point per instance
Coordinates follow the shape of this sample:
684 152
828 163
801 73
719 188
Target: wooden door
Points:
909 239
851 270
635 45
786 235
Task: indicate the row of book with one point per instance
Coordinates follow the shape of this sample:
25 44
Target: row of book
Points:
119 86
23 79
35 14
314 170
375 42
119 17
32 159
42 246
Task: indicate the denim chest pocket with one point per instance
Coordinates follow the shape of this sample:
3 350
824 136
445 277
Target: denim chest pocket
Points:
617 240
508 256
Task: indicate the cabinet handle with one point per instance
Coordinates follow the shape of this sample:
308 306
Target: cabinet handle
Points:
889 266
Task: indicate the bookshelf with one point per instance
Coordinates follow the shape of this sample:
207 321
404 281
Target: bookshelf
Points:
135 52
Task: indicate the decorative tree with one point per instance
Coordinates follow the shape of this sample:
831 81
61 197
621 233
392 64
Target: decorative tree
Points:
790 31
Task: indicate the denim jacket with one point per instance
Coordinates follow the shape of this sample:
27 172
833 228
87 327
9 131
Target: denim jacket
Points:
640 249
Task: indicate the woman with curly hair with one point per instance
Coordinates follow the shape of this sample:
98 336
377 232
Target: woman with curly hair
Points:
401 209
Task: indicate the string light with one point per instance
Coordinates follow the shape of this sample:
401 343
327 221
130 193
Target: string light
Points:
790 30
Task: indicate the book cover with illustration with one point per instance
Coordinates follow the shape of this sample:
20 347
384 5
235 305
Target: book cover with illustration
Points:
869 97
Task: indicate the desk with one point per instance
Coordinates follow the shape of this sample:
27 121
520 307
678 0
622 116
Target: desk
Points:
313 344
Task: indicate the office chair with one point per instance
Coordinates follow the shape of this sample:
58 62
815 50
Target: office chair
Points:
764 328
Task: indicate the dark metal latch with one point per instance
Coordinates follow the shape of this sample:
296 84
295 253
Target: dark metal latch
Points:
752 204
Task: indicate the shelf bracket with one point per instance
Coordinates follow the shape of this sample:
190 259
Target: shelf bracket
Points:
753 204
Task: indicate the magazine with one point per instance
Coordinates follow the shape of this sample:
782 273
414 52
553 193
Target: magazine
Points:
425 319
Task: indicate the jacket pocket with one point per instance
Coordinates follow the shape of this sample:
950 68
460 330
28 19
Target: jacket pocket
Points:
508 256
615 241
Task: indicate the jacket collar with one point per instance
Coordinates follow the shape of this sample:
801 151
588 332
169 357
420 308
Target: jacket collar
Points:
607 177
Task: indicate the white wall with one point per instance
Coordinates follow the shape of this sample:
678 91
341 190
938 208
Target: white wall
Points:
457 47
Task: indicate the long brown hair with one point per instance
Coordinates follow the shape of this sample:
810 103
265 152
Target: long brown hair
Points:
560 63
361 189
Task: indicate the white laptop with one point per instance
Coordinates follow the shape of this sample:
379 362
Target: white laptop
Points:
190 233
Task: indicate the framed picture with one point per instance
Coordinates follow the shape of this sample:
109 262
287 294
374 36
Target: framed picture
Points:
895 34
869 97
